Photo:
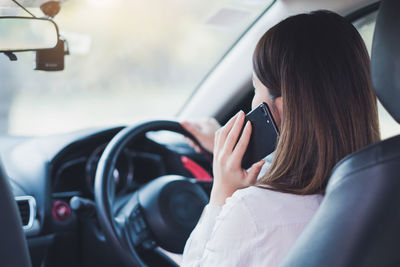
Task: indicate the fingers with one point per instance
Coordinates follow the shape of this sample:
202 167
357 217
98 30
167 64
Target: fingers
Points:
202 125
205 140
228 126
234 133
216 143
191 128
223 132
203 130
254 171
243 142
213 124
195 131
193 145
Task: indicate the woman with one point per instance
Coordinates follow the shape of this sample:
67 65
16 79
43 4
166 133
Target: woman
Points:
313 72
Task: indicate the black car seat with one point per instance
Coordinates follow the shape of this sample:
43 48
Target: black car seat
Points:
358 222
13 245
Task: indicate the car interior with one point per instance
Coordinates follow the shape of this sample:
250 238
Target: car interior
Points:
129 193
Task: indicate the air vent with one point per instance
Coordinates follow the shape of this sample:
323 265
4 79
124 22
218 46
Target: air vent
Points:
27 210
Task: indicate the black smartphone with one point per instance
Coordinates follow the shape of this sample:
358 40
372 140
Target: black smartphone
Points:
264 135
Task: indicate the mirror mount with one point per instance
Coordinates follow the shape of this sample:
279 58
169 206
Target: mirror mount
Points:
51 8
11 56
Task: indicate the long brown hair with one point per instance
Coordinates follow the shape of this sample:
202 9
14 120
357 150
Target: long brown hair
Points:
320 66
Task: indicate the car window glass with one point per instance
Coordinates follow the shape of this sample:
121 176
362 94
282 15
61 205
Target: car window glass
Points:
129 61
366 25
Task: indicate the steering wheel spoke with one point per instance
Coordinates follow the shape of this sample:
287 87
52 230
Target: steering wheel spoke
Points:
131 224
139 230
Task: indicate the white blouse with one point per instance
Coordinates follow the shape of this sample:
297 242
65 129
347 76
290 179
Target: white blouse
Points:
255 227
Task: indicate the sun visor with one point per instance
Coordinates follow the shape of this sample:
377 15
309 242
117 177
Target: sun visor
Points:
385 61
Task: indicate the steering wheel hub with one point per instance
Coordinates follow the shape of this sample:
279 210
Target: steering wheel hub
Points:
172 206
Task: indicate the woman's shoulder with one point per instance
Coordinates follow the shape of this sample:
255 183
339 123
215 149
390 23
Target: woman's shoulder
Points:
264 192
271 208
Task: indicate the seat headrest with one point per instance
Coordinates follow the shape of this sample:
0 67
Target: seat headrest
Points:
385 60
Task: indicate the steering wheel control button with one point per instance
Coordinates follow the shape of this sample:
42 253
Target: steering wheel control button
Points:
141 222
61 211
149 244
138 227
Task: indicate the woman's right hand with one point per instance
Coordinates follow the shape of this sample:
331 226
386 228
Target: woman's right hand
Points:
204 131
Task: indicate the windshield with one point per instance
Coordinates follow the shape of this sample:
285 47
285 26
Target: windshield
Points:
129 61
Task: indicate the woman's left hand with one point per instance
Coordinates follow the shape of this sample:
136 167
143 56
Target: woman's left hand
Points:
228 153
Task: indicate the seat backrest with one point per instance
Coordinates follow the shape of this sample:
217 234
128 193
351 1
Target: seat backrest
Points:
13 245
358 222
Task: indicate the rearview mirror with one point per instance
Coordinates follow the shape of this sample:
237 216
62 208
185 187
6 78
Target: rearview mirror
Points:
27 34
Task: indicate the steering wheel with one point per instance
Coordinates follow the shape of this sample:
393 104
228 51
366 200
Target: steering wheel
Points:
162 213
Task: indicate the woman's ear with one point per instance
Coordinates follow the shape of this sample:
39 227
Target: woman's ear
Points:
278 104
279 108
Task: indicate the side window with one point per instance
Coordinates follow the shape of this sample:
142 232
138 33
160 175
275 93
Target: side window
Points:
366 26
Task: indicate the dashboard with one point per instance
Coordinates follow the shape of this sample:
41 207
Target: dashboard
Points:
47 172
75 173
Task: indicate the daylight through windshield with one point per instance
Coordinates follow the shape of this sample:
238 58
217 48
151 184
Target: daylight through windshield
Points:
129 61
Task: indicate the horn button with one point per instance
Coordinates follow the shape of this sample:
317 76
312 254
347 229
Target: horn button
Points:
172 206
